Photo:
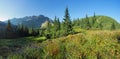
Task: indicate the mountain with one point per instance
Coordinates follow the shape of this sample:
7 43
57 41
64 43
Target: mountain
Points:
103 22
2 25
45 24
30 21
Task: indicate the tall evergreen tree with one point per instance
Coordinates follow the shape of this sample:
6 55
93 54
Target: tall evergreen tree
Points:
9 26
9 33
58 21
82 23
56 27
94 19
55 24
59 27
88 25
67 23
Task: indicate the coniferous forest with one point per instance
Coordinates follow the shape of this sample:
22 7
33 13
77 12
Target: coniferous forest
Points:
90 37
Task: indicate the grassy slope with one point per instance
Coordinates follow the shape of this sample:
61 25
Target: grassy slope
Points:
107 22
87 44
13 46
90 45
9 46
104 20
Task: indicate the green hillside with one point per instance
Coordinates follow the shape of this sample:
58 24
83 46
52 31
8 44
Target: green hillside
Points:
100 22
84 45
95 37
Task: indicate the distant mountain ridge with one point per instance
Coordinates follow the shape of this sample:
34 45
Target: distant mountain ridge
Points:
36 21
2 25
30 21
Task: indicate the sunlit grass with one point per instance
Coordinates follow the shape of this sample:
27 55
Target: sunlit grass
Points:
97 44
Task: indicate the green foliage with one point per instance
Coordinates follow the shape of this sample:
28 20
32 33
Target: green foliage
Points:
56 27
40 39
47 29
92 45
87 22
85 44
9 26
22 30
97 22
16 57
67 23
113 26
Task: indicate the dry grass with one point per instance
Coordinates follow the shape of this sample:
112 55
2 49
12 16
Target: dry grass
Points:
87 45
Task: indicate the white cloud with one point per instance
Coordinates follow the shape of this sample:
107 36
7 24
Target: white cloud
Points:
3 18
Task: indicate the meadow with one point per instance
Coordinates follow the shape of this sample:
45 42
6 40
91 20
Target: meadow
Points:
87 44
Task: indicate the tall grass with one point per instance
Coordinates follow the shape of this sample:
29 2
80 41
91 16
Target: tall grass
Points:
86 45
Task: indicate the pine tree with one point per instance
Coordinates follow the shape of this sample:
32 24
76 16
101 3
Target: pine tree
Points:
26 31
9 31
55 27
67 23
9 26
55 24
82 23
88 25
94 19
58 26
58 21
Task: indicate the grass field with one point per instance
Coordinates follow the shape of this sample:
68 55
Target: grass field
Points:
98 44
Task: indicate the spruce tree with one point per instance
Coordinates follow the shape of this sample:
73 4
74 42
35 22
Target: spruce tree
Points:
88 25
67 23
9 31
93 20
82 23
9 26
56 26
59 27
58 21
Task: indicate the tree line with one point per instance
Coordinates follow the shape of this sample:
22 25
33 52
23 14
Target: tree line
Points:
53 29
56 28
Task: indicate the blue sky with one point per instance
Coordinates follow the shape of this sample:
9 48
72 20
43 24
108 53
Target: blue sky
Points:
51 8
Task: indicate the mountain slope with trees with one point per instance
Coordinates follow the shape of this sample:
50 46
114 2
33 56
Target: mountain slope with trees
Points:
95 37
97 22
